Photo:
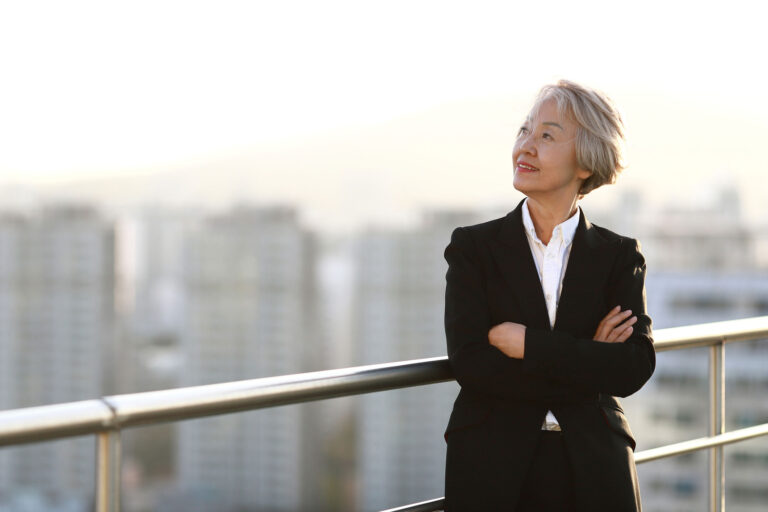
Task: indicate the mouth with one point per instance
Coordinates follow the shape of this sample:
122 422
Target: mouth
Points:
524 167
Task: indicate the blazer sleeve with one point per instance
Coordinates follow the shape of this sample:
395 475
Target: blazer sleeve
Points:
476 364
618 369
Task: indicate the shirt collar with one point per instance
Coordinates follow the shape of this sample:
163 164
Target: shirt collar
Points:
567 228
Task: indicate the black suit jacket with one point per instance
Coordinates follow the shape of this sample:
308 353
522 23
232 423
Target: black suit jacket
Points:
498 413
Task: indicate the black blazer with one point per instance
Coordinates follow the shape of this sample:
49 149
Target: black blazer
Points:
502 403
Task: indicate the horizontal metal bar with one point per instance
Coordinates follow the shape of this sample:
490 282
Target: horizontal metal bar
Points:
36 424
423 506
33 424
93 416
734 436
198 401
704 335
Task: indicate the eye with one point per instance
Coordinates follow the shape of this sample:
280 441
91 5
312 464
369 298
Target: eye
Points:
522 131
547 135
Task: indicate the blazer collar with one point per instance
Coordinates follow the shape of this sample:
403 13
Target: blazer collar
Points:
585 276
587 262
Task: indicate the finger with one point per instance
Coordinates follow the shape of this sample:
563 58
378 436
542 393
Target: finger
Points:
624 330
608 315
611 312
627 323
602 330
612 322
630 322
624 336
496 328
616 319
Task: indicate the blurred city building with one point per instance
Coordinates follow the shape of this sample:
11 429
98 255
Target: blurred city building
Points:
150 307
398 315
56 338
709 234
703 266
151 247
248 288
200 298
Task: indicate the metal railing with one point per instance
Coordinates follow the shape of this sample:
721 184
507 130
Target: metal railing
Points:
107 416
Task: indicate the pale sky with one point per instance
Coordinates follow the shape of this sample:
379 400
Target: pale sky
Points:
110 88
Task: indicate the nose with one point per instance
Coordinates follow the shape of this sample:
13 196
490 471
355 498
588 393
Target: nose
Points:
526 143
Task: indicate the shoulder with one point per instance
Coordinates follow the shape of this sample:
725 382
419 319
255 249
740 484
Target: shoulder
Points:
473 240
479 232
627 243
628 251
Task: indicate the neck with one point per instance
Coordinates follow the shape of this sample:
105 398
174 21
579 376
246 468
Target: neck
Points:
548 214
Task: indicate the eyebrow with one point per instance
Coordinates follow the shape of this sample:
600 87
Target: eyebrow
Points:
549 123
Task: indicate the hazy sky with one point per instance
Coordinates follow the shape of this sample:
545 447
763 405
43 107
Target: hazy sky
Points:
108 88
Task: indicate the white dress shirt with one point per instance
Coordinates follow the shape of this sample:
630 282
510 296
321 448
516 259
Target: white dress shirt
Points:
551 261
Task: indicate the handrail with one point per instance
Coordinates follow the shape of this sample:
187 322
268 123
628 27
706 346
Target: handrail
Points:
198 401
670 450
46 422
709 334
108 415
33 424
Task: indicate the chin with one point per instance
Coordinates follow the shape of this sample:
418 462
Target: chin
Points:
520 187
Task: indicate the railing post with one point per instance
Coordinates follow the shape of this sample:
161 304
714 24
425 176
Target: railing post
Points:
716 426
108 471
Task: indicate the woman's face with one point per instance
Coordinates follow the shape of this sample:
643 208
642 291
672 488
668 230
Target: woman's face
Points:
544 155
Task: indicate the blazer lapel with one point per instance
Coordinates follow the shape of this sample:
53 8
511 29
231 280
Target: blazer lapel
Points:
588 264
513 256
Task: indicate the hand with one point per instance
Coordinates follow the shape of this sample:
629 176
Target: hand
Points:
616 327
508 337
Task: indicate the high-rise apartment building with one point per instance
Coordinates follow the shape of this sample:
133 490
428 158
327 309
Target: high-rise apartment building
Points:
152 297
56 334
248 284
674 405
399 296
702 267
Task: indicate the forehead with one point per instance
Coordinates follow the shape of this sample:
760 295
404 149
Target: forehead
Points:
549 110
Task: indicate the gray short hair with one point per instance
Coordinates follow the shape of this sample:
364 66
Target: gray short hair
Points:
600 137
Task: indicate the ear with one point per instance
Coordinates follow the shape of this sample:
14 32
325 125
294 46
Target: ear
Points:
583 174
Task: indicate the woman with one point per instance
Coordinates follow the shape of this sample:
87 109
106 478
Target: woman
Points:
546 325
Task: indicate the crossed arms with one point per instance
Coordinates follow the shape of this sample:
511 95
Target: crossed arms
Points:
514 361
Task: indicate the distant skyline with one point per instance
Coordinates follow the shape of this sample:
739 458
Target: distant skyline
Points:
362 108
456 155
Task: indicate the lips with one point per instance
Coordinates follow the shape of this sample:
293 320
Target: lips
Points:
524 167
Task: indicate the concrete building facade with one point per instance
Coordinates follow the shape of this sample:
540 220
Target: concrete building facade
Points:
247 285
56 338
399 295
